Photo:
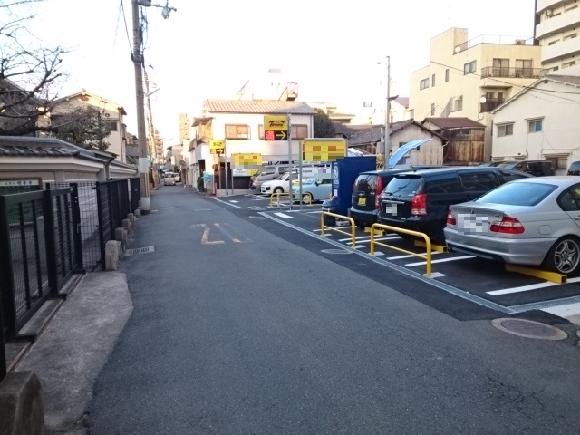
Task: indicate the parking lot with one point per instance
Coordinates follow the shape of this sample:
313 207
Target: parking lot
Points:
478 281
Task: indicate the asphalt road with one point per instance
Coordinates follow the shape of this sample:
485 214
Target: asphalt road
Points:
237 330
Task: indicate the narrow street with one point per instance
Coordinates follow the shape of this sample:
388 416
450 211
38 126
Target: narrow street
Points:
237 330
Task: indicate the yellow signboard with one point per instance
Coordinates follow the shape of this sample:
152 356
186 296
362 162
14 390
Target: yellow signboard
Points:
242 160
324 150
217 146
276 122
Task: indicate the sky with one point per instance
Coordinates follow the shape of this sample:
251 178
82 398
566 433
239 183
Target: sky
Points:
209 49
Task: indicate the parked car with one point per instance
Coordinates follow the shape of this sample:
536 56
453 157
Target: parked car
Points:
273 172
531 222
168 179
366 193
281 184
574 168
537 168
314 189
420 200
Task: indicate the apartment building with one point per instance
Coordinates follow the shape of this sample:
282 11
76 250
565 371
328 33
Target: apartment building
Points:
471 77
557 28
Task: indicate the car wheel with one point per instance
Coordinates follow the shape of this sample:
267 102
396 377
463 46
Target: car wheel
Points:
307 198
278 190
564 256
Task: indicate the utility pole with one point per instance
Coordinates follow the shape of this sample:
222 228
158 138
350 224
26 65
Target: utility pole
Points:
137 58
387 129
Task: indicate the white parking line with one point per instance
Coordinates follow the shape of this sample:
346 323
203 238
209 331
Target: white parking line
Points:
283 216
399 257
234 201
227 203
443 260
527 288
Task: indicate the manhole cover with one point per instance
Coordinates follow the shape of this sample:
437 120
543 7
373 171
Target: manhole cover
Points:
332 251
529 329
139 251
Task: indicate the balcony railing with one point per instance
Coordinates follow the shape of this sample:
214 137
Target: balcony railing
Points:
490 105
512 73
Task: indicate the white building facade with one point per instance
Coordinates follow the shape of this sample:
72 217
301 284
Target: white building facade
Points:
541 122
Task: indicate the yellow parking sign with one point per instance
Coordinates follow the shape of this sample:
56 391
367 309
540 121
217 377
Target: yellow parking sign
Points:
243 160
217 146
324 150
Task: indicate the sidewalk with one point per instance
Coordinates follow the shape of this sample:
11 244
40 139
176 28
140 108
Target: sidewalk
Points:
76 344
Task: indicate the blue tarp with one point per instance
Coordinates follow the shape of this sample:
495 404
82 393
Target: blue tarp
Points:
404 150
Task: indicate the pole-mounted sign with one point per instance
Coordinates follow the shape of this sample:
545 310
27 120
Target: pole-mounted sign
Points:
276 127
217 146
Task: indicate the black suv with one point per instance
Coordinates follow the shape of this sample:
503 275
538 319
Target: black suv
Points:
574 168
420 200
366 194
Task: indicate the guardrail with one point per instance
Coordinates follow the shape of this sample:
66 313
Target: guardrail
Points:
277 195
340 217
388 228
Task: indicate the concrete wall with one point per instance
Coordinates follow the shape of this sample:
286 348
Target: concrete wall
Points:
561 130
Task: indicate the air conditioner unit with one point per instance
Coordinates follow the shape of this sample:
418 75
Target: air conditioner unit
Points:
520 42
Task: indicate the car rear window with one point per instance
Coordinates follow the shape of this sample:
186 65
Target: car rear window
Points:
478 181
519 194
403 186
575 166
365 183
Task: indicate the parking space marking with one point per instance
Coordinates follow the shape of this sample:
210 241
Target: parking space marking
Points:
226 203
399 257
448 288
443 260
283 215
566 311
526 288
378 254
234 201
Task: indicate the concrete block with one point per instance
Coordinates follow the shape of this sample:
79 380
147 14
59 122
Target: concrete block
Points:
132 218
112 255
128 226
121 236
21 406
138 212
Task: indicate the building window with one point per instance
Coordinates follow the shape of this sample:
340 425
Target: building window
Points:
459 104
535 125
432 109
470 67
505 129
524 68
424 84
447 75
568 9
555 41
432 80
501 67
237 131
568 64
299 131
111 125
570 36
261 134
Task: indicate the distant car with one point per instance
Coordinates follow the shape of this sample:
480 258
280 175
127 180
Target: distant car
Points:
537 168
574 168
532 221
420 200
314 189
169 179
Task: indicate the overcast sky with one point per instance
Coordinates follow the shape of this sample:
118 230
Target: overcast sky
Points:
209 49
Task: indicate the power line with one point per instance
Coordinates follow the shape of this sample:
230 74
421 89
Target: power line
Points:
125 22
528 87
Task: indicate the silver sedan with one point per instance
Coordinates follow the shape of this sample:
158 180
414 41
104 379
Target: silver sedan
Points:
533 221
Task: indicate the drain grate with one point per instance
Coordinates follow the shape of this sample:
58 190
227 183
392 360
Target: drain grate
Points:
529 329
139 251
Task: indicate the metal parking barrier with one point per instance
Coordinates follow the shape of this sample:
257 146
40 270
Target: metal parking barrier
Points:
426 256
278 195
340 217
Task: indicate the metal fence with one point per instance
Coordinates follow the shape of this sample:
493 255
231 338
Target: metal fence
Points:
48 235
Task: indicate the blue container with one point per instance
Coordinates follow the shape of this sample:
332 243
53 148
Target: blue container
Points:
344 172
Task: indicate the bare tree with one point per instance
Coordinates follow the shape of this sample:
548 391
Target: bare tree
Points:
28 75
83 127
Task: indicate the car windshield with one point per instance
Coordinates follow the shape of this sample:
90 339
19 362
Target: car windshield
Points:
507 165
403 186
519 194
